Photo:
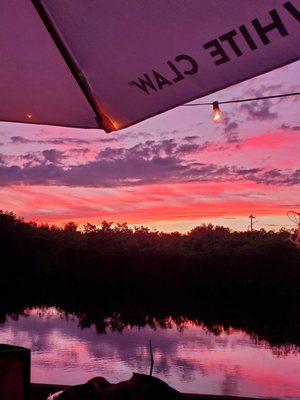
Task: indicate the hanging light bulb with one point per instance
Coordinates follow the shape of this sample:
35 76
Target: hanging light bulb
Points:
217 113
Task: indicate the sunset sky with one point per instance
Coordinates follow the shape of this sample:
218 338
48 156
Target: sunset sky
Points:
171 172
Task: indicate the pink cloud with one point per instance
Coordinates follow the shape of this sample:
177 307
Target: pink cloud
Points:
275 149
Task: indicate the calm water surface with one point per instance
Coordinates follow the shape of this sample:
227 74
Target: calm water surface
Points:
190 359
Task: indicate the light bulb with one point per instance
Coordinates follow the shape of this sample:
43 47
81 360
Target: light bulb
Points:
217 113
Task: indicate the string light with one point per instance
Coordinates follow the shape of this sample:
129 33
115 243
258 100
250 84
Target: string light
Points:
217 113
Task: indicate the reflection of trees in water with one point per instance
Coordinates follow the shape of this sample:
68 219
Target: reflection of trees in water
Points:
281 337
62 342
280 350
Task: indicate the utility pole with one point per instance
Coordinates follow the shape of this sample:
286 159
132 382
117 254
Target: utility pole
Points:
251 222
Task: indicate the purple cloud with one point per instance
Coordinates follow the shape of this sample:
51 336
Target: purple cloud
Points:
145 163
259 110
287 127
19 140
230 131
53 141
130 171
188 148
191 138
53 156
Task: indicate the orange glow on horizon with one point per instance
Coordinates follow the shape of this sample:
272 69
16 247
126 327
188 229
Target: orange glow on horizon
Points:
151 204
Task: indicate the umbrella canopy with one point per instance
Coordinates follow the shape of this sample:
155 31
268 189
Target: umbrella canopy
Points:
112 64
36 84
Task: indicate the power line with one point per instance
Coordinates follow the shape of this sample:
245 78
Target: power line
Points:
244 100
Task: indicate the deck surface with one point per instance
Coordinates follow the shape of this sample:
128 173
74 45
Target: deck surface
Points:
41 392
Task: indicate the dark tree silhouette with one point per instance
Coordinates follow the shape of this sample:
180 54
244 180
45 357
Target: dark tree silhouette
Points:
210 273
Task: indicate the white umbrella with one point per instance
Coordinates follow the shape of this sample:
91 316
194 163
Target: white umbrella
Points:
113 63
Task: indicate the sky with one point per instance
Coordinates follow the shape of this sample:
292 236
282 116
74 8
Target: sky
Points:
171 172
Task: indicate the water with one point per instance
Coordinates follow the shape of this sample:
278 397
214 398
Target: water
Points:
189 358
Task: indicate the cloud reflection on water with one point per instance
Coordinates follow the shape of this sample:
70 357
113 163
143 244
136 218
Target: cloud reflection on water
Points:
190 359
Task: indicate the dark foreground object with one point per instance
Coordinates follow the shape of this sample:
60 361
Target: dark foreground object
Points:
139 387
14 372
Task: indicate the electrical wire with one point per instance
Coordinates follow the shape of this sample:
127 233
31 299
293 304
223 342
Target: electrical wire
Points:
244 100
